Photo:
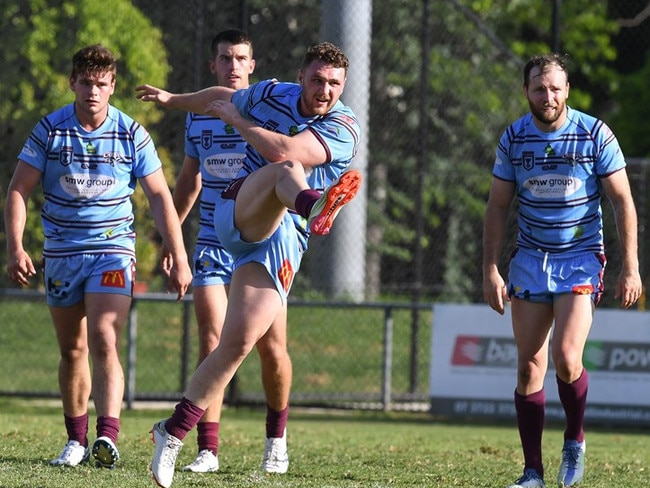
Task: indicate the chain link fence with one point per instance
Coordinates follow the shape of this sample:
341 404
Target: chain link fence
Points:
344 355
442 89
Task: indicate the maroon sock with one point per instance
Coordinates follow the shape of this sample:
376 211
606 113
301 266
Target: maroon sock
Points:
208 436
77 428
574 401
305 201
276 421
108 427
530 420
185 417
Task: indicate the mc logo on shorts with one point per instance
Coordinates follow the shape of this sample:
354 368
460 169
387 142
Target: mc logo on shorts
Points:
114 279
285 275
582 289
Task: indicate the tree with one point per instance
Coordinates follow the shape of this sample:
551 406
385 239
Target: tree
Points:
40 38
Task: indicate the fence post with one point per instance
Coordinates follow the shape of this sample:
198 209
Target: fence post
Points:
132 335
186 343
387 366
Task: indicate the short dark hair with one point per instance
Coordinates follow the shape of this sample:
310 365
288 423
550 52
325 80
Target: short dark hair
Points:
328 53
543 61
93 60
231 36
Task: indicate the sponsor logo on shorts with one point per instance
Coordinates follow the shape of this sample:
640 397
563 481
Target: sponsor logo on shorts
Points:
583 289
285 275
57 288
114 279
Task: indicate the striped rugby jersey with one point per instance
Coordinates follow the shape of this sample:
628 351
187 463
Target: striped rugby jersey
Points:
274 106
220 151
557 177
88 179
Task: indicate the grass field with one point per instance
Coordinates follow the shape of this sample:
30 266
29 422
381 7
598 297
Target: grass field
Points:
328 449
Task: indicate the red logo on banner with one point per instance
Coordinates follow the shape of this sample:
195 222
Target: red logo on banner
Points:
467 351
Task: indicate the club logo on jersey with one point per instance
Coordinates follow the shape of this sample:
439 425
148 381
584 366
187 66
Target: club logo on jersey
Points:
285 275
293 130
528 160
574 158
90 149
113 279
549 151
114 158
206 139
65 156
229 129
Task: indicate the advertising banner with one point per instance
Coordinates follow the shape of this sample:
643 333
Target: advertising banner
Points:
474 363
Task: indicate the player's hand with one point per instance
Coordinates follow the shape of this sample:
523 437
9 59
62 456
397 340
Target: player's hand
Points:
166 260
180 278
20 267
226 111
628 288
149 93
495 292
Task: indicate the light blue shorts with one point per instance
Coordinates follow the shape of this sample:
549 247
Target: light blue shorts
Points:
280 254
68 279
540 277
212 266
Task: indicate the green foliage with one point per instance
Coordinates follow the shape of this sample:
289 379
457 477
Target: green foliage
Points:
633 102
40 39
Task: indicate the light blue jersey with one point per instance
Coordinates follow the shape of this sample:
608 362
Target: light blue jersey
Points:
274 106
557 176
220 151
88 179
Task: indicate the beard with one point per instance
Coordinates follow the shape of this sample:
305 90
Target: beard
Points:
546 116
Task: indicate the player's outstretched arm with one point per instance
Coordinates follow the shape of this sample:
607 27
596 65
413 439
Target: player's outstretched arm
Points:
196 102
